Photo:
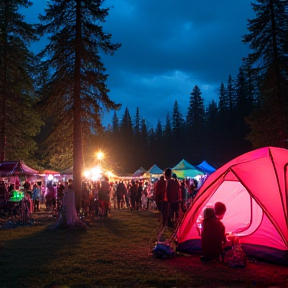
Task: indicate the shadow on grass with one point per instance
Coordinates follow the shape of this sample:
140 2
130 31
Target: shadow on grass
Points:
30 250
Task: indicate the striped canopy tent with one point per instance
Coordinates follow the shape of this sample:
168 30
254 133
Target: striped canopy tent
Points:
186 170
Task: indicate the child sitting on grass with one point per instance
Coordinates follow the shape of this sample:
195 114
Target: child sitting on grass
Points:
212 236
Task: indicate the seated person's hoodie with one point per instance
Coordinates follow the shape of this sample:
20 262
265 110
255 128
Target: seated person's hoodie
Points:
212 236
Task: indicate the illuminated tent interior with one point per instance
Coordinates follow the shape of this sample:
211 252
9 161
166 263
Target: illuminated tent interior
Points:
253 187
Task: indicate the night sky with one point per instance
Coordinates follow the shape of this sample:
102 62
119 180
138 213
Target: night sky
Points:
168 47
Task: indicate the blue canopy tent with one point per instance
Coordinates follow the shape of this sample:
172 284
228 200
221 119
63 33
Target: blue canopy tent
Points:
154 171
205 167
140 172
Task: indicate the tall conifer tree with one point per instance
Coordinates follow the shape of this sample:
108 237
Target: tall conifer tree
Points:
19 120
267 38
75 88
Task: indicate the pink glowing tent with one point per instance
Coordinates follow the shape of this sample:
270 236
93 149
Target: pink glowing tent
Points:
254 188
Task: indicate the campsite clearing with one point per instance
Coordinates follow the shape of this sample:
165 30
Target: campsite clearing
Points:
113 252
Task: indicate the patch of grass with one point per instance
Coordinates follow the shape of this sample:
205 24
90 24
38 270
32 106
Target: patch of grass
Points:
113 252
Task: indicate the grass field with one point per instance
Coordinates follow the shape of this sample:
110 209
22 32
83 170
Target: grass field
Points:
113 252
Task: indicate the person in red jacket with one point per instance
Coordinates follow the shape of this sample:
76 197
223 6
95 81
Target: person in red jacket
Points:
173 197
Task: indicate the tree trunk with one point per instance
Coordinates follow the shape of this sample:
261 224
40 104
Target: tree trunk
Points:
77 127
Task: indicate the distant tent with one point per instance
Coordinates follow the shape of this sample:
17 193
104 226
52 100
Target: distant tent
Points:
205 167
16 168
49 172
140 172
68 171
254 189
154 171
184 169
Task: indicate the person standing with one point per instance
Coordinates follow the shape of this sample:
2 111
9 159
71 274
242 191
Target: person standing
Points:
104 195
139 196
68 215
160 191
36 197
120 192
173 197
60 195
133 194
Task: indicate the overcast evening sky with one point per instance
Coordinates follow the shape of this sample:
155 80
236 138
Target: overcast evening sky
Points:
168 47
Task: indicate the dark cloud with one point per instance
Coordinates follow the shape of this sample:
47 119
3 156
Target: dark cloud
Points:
168 47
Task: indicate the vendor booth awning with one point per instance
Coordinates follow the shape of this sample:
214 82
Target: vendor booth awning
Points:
153 171
186 170
205 167
140 172
68 171
16 168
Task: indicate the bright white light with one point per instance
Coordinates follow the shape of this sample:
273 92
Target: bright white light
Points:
96 173
87 174
50 177
100 155
109 174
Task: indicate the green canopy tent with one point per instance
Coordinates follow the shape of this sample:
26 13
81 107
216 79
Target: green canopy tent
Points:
186 170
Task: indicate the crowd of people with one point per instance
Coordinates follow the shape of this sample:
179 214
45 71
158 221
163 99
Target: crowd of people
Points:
99 197
169 195
137 194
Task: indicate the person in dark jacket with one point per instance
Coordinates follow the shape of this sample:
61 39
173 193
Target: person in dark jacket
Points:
133 194
139 195
173 198
160 190
120 192
212 236
104 195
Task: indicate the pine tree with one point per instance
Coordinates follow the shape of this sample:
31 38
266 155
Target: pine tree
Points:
267 38
195 120
212 133
19 120
243 107
75 88
225 124
177 119
230 91
115 123
136 126
223 99
167 140
126 124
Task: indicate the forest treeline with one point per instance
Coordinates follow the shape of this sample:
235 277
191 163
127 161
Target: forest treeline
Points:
51 104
